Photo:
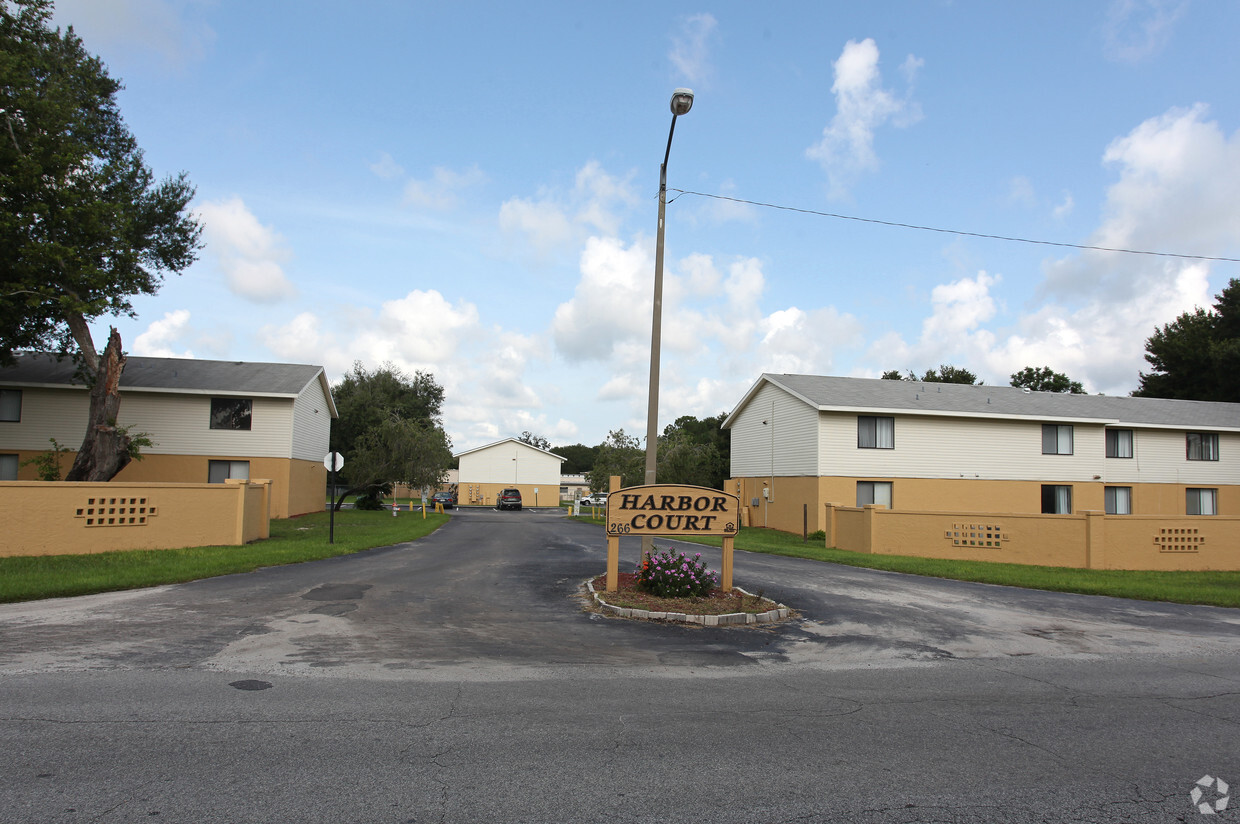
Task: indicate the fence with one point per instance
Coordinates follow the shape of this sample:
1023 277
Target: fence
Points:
1087 540
42 518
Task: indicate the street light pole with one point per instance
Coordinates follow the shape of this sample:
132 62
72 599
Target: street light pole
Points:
682 101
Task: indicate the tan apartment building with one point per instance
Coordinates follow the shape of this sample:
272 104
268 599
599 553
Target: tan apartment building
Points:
802 441
209 421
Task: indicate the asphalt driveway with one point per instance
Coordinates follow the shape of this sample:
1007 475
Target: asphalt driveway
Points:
459 679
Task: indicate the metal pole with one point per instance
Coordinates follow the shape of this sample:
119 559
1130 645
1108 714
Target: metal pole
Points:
656 324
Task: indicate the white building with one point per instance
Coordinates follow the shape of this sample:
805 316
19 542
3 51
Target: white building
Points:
509 464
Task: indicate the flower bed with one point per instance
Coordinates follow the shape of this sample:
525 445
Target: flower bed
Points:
717 608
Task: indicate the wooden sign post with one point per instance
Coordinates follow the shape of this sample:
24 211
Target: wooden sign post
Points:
670 510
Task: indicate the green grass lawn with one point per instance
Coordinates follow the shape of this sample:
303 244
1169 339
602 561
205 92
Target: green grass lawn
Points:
292 540
1212 588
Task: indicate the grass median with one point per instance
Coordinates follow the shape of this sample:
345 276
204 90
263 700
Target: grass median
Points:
292 541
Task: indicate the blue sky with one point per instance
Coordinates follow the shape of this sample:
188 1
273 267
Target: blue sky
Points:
471 189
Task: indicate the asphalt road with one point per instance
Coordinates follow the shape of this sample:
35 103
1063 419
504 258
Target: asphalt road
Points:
459 679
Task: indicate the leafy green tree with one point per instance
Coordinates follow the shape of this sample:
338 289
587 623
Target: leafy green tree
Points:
1045 379
536 441
397 450
1197 356
578 458
621 455
379 410
946 373
84 227
695 452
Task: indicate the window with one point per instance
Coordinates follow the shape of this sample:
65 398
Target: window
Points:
220 471
1201 446
1119 443
231 413
874 492
1056 439
875 432
10 404
8 467
1118 500
1202 502
1056 499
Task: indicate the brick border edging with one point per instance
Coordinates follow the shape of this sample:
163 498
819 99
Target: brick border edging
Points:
771 616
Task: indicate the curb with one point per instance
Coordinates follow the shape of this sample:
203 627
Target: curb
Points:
778 612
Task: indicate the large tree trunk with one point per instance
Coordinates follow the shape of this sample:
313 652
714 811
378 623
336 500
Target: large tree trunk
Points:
105 449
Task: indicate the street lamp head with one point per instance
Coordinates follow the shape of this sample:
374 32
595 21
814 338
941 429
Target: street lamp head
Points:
682 101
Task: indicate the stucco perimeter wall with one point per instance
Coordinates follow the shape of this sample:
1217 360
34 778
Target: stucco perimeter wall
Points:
1089 540
79 518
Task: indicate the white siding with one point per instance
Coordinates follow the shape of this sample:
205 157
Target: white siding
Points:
510 462
1160 456
312 421
181 425
47 413
787 439
934 447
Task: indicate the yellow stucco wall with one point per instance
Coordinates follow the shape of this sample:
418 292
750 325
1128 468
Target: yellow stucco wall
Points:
76 518
1085 540
297 486
485 494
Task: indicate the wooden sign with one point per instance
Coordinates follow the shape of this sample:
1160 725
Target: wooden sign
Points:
667 509
670 510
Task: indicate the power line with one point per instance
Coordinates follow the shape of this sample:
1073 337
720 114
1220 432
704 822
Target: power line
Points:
957 231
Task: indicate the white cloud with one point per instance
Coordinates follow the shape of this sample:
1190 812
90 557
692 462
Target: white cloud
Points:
1137 29
248 253
690 53
862 106
561 220
386 167
611 303
443 189
171 29
158 339
1065 207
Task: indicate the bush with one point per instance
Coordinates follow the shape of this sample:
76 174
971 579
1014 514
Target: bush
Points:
670 574
369 500
820 535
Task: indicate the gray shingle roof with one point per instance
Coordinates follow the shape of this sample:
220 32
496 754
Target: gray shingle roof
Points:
823 392
173 375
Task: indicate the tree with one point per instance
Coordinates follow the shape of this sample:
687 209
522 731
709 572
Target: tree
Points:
84 227
578 458
621 455
1045 379
365 398
946 374
536 441
388 427
1197 356
695 452
397 450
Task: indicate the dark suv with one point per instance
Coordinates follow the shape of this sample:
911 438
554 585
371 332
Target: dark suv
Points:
509 499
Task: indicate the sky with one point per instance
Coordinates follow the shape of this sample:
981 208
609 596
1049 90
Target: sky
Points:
471 189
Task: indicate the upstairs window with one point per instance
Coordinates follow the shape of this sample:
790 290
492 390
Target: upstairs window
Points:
876 432
231 413
10 405
1056 439
1119 443
1202 446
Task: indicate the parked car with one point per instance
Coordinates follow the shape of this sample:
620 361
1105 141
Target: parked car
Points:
509 499
446 498
597 499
